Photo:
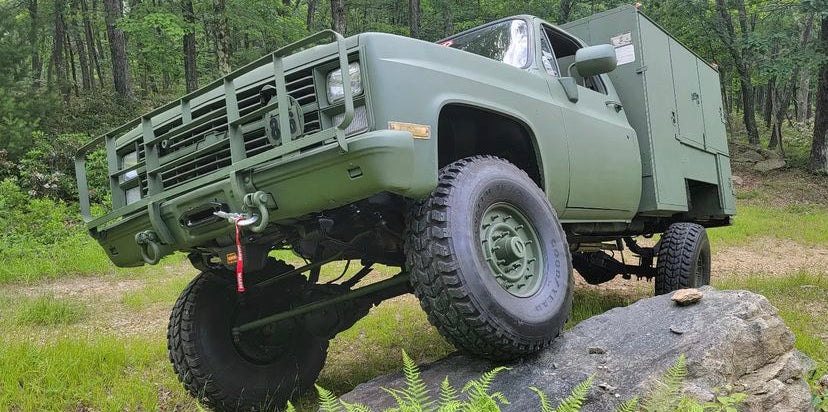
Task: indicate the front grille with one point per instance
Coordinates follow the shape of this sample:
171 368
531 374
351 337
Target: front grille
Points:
212 131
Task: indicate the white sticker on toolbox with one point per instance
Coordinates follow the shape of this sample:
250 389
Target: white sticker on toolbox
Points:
625 54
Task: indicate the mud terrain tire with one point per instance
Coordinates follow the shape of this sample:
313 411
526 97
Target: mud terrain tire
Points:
215 369
464 294
683 258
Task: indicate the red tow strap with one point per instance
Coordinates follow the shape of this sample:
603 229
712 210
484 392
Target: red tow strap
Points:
239 258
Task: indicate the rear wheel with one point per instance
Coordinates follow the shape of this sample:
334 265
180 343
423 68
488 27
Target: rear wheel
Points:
489 260
683 258
260 370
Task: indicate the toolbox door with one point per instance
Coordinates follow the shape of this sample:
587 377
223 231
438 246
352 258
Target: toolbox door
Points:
715 134
688 95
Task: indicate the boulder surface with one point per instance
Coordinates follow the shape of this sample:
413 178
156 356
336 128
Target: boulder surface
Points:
730 339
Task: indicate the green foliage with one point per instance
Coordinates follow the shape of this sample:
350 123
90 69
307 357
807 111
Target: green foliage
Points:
100 373
449 400
801 223
575 400
571 403
415 396
477 391
48 310
629 406
664 398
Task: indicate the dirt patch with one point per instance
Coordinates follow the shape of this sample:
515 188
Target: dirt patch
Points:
84 288
770 256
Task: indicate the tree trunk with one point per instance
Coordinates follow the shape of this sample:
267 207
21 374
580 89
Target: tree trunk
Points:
804 84
222 37
781 103
90 42
748 106
70 60
113 11
311 20
769 98
818 162
87 78
37 64
339 22
448 17
738 49
190 68
57 50
414 18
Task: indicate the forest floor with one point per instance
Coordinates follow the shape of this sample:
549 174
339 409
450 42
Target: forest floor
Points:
97 341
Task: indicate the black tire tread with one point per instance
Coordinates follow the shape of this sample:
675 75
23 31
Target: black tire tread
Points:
181 344
182 350
676 257
436 280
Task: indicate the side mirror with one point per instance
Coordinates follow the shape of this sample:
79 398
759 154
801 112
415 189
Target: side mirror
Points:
592 60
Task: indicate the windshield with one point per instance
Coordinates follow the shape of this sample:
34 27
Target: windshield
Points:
507 42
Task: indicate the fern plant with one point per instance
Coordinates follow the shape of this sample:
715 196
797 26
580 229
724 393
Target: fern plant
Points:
665 397
415 397
628 406
571 403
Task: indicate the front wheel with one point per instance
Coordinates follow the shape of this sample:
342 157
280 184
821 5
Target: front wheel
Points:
683 258
489 260
260 370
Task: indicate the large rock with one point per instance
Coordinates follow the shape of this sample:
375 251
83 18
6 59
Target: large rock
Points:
729 338
770 164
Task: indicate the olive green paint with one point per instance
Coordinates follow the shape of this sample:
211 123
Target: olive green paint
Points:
603 157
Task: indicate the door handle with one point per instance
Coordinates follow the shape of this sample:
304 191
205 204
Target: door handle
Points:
615 105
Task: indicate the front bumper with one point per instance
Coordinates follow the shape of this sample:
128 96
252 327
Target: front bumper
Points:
315 180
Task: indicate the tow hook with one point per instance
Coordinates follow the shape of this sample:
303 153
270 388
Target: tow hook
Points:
258 203
150 247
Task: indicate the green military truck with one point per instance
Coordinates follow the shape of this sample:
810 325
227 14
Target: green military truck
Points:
485 167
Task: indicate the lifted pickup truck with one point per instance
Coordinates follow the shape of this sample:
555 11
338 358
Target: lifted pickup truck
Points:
485 167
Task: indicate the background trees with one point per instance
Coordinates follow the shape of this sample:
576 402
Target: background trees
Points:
105 61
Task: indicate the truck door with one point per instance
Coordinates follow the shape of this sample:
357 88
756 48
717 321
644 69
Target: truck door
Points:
605 163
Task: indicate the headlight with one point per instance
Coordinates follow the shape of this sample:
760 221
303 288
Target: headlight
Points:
129 160
336 88
133 194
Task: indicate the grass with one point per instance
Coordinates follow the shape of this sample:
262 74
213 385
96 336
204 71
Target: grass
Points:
590 302
802 223
162 292
78 254
48 310
102 373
